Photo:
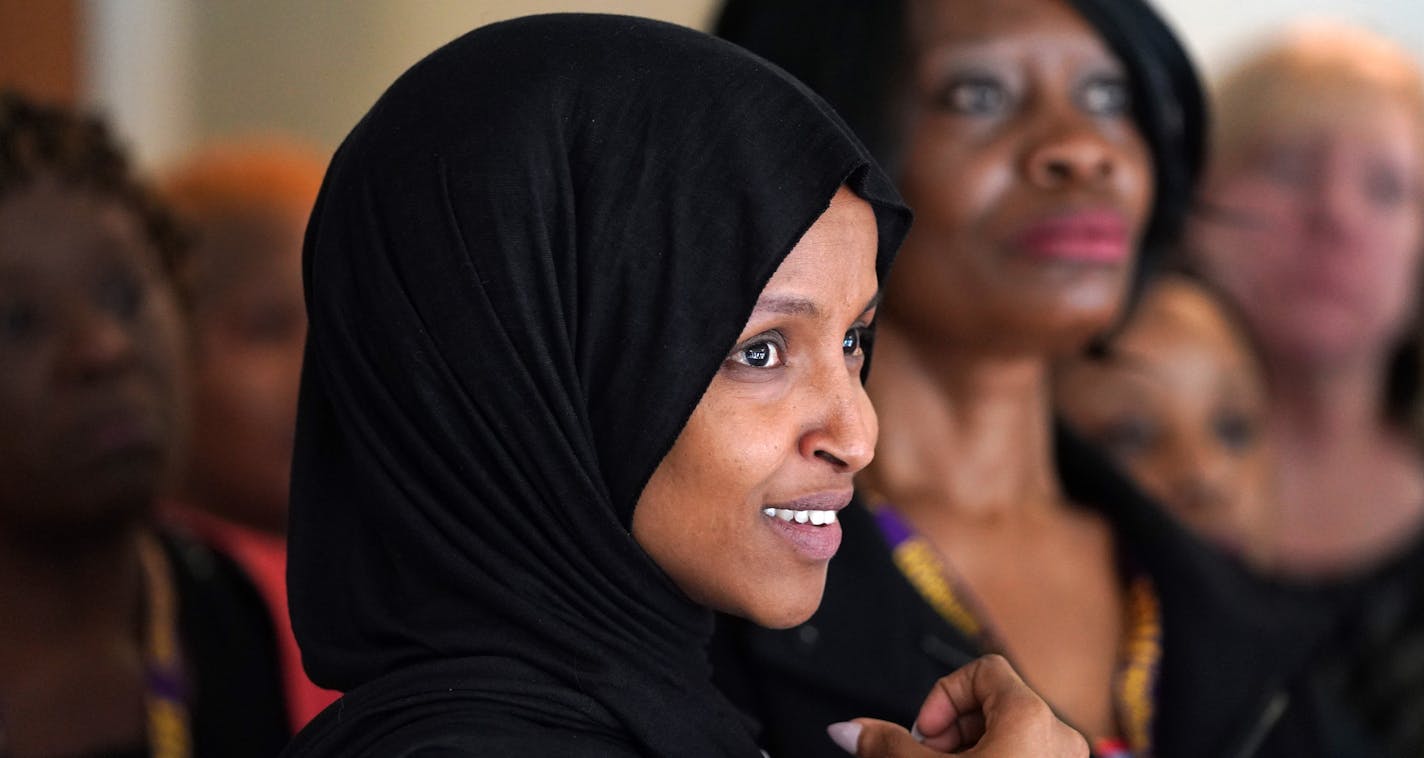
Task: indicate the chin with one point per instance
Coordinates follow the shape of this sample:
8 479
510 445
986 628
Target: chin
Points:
789 609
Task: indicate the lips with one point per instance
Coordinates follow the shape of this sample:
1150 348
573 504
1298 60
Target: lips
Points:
102 436
809 523
1099 237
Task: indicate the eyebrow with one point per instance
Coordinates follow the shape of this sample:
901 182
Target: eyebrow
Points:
800 306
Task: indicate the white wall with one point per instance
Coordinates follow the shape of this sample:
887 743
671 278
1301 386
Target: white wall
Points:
1219 31
176 72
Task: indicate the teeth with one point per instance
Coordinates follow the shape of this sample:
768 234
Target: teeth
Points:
814 518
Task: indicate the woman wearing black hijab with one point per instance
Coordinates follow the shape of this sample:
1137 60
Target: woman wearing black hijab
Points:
1048 148
526 461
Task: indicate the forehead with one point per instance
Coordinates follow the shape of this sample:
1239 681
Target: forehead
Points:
836 253
50 225
1001 23
1179 316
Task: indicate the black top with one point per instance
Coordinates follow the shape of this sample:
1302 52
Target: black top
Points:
237 705
526 264
1235 655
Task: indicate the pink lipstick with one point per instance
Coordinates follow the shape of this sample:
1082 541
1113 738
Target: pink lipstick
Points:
1092 237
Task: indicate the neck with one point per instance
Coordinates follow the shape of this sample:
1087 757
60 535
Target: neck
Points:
964 432
59 593
1350 484
1317 407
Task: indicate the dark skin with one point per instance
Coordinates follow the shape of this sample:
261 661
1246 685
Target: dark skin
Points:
249 328
1017 120
89 337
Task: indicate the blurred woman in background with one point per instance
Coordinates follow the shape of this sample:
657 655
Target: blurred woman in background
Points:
1178 398
1312 219
117 637
245 206
1049 150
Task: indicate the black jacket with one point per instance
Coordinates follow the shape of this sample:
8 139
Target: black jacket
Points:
1235 676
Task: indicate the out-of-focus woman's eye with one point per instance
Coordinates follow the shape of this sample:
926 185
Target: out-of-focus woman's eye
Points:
1236 431
1288 165
272 323
1105 96
20 320
974 96
759 354
1130 436
1385 188
122 295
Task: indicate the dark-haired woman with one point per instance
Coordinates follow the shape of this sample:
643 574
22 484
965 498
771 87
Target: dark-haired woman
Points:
116 638
587 299
1048 149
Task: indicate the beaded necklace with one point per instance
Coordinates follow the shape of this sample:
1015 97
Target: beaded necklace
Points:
936 582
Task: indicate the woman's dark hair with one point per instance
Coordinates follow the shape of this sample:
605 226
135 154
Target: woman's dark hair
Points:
854 53
78 150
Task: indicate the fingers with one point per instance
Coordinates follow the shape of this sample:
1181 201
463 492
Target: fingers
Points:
955 713
869 738
986 706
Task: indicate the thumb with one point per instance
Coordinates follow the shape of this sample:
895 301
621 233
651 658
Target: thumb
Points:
869 738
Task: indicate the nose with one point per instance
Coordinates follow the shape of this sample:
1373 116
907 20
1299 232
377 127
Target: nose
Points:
1336 199
1202 484
842 429
1075 154
98 343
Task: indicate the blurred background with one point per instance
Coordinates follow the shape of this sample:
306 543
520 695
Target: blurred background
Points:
173 74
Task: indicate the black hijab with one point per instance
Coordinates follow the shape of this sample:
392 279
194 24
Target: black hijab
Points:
526 264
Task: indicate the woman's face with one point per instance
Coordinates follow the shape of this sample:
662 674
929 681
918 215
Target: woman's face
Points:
1180 402
249 328
1030 183
90 389
741 512
1315 229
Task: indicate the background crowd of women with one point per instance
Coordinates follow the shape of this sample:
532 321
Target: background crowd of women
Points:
1146 372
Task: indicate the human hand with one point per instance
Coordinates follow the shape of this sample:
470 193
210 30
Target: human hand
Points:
983 709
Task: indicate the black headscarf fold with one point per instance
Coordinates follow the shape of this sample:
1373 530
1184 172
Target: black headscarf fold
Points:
526 264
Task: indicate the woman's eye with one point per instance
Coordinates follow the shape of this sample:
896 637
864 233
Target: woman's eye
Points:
974 97
19 321
1129 437
1385 188
1236 431
122 296
854 342
1106 96
1288 166
761 354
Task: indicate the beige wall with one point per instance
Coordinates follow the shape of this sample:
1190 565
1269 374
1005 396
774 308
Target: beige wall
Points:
307 68
173 73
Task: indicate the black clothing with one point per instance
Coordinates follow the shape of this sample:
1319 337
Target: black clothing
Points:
1375 664
1235 652
526 264
236 703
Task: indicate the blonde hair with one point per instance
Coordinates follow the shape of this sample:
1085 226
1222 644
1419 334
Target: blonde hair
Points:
1305 73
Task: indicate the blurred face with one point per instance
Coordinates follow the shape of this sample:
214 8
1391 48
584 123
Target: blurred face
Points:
249 329
742 511
90 350
1316 230
1180 403
1029 180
